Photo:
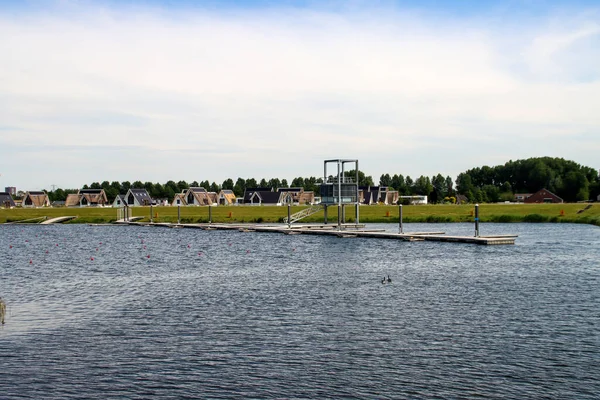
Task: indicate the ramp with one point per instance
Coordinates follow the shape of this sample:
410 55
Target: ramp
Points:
57 220
303 214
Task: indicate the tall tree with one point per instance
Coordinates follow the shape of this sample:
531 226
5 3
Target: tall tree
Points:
385 180
228 184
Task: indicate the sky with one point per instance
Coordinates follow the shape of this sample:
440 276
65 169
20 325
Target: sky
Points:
190 90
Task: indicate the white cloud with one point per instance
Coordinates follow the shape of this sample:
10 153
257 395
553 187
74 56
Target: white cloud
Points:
273 93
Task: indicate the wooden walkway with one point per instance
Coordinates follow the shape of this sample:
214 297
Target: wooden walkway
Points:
350 231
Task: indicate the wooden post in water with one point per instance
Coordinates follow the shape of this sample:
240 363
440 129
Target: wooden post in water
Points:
476 220
401 229
325 214
178 214
209 214
151 219
289 215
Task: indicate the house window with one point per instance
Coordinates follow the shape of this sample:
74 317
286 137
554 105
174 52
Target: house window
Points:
130 199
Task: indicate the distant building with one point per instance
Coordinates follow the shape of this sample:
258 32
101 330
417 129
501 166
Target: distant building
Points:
87 198
11 190
413 200
138 197
35 199
369 195
226 197
6 200
543 196
119 201
261 196
520 197
198 196
295 196
461 199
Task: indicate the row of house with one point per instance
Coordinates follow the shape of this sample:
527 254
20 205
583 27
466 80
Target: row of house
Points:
198 196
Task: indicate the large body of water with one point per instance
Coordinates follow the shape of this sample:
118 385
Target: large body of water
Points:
103 312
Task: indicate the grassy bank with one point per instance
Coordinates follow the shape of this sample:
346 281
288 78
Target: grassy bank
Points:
572 212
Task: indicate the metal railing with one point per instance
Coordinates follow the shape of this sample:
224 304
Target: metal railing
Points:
303 214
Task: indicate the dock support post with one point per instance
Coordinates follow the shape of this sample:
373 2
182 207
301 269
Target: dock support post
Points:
343 213
401 229
476 220
357 219
209 214
151 219
289 215
339 217
178 215
325 214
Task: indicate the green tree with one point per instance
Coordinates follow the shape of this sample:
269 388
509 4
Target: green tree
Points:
181 186
239 187
439 192
385 180
228 184
423 186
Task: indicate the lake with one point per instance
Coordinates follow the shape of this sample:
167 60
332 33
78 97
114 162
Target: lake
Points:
102 312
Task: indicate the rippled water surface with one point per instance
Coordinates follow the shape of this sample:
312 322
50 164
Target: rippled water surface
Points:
135 312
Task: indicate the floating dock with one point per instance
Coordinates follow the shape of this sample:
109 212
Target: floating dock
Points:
348 231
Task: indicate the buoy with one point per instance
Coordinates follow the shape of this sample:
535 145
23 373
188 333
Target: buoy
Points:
30 261
92 258
10 247
148 255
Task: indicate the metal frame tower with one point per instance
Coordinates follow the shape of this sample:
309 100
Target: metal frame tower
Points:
340 190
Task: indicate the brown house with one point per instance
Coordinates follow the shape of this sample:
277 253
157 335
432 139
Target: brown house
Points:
87 198
35 200
543 196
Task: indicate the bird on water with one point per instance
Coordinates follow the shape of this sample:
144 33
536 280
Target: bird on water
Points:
389 280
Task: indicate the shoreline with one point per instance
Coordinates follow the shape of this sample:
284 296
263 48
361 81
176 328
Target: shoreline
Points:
582 213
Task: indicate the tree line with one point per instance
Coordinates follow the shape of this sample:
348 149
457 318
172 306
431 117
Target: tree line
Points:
566 179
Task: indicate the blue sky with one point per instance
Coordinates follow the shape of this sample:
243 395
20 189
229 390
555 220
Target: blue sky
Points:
160 90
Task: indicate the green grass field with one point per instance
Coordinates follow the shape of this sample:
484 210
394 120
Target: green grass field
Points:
568 212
